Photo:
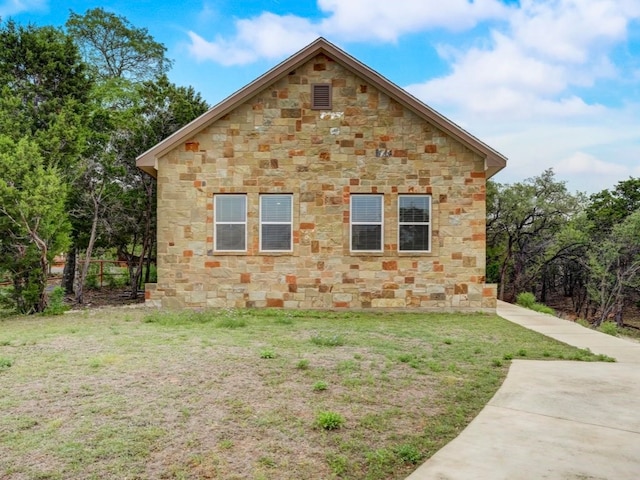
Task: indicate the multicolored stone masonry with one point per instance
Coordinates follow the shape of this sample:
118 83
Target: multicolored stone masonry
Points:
276 143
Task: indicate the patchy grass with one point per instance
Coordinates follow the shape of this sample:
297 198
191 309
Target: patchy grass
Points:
123 393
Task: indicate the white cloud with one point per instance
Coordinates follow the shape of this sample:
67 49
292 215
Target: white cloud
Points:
274 36
584 163
530 68
387 20
267 36
13 7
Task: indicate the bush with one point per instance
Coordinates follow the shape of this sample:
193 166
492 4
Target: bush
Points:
610 328
526 299
56 304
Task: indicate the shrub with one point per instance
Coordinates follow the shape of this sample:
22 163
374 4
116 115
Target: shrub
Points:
610 328
526 299
329 420
56 304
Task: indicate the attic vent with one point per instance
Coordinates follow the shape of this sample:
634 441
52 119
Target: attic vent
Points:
321 96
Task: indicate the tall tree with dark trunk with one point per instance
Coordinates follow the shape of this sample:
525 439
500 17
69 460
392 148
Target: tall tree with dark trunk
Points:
44 89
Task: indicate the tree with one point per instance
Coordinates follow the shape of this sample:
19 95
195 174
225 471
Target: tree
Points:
523 221
33 220
614 265
120 56
44 88
162 109
115 49
44 92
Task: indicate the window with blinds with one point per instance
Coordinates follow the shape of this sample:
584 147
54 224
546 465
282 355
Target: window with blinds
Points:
366 223
230 223
276 223
321 96
414 223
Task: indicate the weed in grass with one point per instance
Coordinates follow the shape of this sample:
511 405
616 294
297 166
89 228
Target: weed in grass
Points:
96 363
409 453
302 364
477 350
267 353
5 343
338 464
496 362
328 340
329 420
406 357
231 322
448 341
320 386
546 354
522 352
225 444
357 356
610 328
507 356
267 462
5 363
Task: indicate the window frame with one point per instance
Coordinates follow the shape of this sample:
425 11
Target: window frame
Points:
352 223
428 223
216 222
289 198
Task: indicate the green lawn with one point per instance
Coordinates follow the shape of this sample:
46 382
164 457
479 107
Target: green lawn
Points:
139 394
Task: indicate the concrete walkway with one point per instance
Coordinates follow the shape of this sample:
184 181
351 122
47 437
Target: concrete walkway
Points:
553 419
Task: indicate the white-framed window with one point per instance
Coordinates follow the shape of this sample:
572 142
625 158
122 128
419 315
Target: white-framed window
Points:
414 223
366 223
276 223
230 223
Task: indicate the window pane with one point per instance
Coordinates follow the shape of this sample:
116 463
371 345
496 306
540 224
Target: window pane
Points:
230 237
276 208
276 237
230 208
366 237
366 208
414 209
414 237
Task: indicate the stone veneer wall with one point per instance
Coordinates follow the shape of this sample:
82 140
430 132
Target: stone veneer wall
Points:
274 143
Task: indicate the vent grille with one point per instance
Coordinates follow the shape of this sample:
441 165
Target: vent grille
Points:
321 96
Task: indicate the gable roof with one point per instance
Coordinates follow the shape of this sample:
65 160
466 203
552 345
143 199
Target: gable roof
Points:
494 161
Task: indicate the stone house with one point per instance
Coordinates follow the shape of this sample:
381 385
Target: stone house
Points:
322 185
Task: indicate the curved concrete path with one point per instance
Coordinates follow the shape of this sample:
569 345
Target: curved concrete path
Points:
553 419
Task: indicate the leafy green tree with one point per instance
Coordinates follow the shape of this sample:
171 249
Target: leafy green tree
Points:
523 223
33 221
115 49
162 109
120 57
609 207
614 264
44 88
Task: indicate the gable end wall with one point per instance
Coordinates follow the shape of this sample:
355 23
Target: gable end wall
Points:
368 143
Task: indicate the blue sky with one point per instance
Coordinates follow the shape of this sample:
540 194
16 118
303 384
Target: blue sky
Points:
548 83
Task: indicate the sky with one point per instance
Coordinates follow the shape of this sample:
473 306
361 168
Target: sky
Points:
547 83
